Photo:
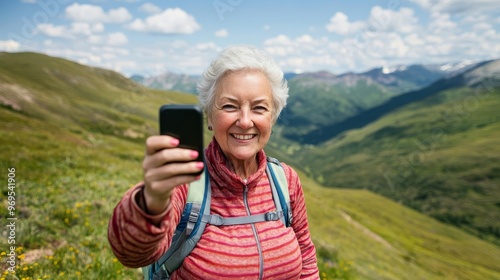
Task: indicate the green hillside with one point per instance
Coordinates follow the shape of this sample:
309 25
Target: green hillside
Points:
439 156
315 103
376 238
77 147
81 98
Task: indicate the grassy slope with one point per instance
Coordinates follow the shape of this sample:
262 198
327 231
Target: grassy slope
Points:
71 173
64 196
385 240
438 156
75 136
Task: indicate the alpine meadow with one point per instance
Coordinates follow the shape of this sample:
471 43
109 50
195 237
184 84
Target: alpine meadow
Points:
410 193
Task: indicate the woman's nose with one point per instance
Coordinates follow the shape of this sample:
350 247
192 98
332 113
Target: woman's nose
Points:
245 120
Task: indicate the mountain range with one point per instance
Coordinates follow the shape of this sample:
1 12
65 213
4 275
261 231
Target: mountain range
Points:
411 195
169 81
320 100
372 113
401 77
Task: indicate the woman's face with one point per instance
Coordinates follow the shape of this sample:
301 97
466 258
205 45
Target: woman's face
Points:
242 113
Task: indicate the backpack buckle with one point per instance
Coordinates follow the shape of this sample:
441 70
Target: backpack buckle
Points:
215 220
272 216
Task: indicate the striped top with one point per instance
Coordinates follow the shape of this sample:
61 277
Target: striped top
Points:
223 252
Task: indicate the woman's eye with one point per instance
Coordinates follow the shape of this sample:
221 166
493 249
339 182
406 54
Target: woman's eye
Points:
260 109
228 107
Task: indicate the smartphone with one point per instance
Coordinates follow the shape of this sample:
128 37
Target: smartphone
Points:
184 122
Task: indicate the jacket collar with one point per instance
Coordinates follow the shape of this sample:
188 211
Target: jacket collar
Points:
221 174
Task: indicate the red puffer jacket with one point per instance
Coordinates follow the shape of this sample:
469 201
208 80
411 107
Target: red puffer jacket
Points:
223 252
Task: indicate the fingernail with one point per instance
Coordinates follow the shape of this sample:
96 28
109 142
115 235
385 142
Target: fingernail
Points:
199 165
194 154
174 141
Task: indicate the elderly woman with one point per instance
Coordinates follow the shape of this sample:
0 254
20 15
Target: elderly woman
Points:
242 93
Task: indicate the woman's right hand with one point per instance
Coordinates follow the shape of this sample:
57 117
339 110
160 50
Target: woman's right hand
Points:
165 167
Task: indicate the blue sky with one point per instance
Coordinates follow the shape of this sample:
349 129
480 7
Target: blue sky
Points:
152 37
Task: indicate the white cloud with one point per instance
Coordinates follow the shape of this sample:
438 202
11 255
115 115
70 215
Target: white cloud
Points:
9 46
280 45
340 24
92 32
179 44
85 28
379 20
304 45
301 53
119 15
305 39
81 56
482 26
150 8
112 39
116 39
221 33
75 30
278 40
177 56
95 39
170 21
53 30
458 6
210 46
471 19
92 13
108 57
394 46
402 21
442 23
414 40
110 51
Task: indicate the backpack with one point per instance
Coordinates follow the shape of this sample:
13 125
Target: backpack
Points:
196 215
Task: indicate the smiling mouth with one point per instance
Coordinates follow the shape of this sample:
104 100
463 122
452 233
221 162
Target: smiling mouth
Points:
244 136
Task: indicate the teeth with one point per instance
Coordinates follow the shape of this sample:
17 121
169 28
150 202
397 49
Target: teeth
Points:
243 136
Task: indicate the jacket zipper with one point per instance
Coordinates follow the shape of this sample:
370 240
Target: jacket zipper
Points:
259 248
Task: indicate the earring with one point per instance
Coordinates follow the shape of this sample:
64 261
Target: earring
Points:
210 127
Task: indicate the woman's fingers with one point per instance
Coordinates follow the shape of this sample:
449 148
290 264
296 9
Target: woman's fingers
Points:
171 170
162 189
166 155
159 186
157 195
166 166
159 142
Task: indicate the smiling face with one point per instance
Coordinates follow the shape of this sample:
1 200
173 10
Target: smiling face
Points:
242 114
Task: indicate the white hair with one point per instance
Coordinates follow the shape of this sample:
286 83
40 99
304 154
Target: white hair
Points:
236 58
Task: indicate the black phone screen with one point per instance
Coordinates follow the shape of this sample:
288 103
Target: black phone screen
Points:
184 122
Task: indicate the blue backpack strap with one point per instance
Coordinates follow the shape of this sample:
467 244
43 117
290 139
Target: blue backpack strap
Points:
279 187
187 232
281 198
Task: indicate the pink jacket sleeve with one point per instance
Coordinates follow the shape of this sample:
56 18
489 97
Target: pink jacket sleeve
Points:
301 226
135 241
